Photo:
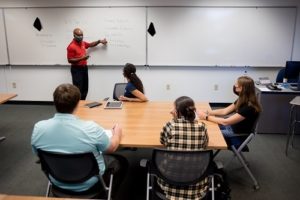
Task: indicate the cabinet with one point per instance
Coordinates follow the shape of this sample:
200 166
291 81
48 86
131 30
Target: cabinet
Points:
276 107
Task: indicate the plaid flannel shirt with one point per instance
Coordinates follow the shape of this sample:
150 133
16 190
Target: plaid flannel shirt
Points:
180 134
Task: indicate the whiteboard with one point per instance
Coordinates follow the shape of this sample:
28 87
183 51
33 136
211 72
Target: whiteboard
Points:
124 29
209 36
3 47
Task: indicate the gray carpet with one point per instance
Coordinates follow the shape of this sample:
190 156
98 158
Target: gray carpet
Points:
277 174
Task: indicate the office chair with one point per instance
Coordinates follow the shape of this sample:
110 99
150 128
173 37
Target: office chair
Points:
294 121
179 168
73 169
243 147
119 90
238 152
280 75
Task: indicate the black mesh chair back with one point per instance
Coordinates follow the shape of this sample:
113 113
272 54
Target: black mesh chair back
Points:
181 167
73 169
69 168
119 90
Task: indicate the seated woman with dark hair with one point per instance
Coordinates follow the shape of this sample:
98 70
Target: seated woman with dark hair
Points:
134 90
184 132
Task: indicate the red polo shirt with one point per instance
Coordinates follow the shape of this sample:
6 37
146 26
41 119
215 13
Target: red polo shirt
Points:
77 50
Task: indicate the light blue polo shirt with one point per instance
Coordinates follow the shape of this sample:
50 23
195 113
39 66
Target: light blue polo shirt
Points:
66 133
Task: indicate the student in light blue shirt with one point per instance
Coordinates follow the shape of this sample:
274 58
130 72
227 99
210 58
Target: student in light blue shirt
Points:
66 133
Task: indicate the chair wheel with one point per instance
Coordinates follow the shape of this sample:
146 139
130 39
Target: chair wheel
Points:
256 187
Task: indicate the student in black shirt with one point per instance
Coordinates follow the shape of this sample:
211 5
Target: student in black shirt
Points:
245 111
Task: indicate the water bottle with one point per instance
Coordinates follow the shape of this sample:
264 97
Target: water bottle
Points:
285 83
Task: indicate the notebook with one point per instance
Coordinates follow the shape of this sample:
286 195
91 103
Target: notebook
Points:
114 105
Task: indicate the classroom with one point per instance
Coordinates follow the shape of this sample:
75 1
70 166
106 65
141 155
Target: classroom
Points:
195 48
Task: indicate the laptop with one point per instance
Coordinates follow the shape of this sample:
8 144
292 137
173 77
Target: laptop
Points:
114 105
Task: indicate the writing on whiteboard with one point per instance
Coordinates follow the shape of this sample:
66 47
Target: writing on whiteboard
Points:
46 40
115 30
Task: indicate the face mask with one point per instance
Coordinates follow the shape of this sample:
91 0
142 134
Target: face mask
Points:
78 38
234 90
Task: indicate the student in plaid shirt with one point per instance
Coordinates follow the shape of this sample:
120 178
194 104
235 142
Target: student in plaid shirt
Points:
183 132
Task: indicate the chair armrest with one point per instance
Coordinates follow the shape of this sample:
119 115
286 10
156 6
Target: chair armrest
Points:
239 135
219 164
144 163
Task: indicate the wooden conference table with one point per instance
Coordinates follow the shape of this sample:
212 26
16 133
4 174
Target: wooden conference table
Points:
4 98
143 122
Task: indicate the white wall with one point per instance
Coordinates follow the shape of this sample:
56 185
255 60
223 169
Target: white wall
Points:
38 82
2 80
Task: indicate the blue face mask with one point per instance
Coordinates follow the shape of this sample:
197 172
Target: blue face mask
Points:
78 38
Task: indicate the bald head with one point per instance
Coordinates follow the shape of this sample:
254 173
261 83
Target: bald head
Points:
77 31
78 35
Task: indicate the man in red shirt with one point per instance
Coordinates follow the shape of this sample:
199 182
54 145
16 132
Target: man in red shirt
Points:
77 56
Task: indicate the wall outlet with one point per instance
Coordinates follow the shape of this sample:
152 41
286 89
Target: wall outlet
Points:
216 87
168 87
14 85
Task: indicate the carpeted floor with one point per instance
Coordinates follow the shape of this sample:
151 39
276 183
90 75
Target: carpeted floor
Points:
277 174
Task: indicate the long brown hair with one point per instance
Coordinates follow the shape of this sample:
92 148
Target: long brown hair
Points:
247 95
